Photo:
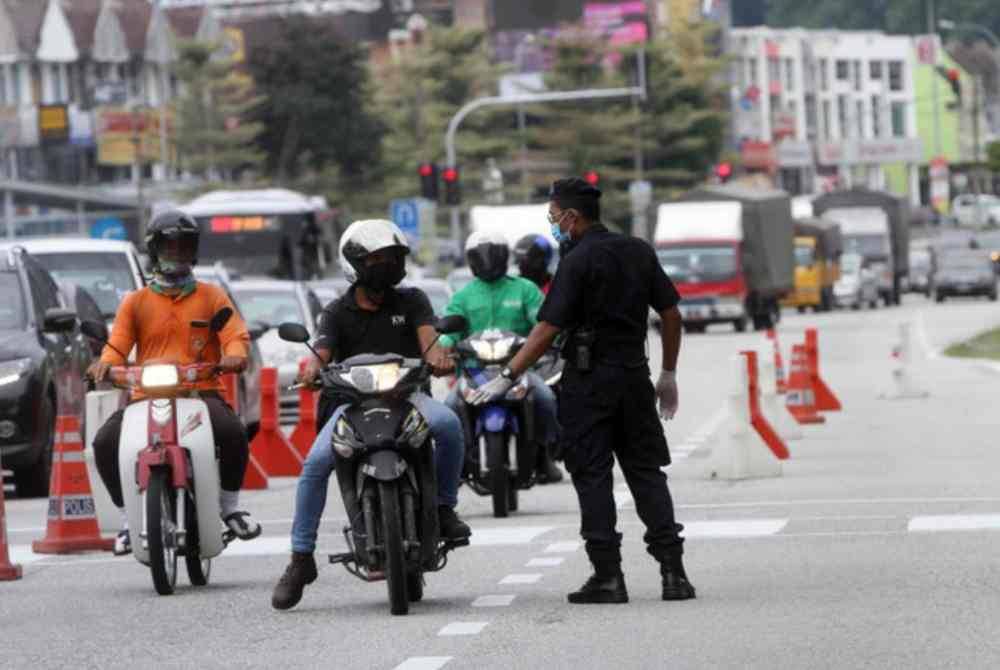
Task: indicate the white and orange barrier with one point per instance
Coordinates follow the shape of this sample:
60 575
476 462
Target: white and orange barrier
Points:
771 402
270 446
905 385
8 571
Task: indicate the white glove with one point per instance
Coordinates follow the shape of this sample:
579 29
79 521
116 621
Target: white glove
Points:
495 388
666 393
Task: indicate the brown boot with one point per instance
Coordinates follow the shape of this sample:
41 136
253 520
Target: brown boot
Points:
300 572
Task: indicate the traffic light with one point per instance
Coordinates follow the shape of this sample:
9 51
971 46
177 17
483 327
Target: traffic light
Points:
428 181
592 177
954 79
724 171
452 187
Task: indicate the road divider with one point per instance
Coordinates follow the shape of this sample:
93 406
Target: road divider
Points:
270 446
304 435
8 571
770 399
255 477
905 385
801 398
826 401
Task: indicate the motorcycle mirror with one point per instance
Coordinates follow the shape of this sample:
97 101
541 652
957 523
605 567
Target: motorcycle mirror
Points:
293 332
220 319
453 323
96 330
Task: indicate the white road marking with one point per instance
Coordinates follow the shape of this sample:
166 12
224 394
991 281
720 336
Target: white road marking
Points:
948 522
836 501
501 536
529 578
493 601
547 562
697 439
925 342
262 546
22 554
424 663
562 547
462 628
735 528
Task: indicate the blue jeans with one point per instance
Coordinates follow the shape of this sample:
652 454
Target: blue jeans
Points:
546 418
310 495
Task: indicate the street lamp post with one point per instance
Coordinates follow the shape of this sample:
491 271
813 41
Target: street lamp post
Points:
137 128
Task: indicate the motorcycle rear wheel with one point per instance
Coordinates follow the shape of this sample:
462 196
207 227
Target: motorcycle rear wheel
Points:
392 543
496 451
160 537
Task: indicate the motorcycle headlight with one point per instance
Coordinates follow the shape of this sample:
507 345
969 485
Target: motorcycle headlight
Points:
375 378
159 376
345 441
415 429
490 351
11 371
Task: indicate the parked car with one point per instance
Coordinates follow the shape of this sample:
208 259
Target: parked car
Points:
329 289
857 286
40 357
107 269
965 272
273 302
990 242
971 209
248 392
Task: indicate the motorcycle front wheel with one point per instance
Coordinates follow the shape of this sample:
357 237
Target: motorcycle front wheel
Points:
160 532
496 452
392 543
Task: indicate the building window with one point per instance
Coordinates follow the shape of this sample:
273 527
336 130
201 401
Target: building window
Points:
73 80
827 121
876 116
740 72
3 85
875 70
895 75
857 75
754 79
56 83
811 120
15 80
773 71
860 117
899 119
824 81
845 128
789 74
843 70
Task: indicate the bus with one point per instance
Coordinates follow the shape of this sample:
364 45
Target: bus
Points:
270 232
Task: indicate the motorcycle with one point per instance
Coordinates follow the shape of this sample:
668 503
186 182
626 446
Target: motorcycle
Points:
385 468
500 435
169 466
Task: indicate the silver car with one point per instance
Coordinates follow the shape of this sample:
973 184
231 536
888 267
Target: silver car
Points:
273 302
857 286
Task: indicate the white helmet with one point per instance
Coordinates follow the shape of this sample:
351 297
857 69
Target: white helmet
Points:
488 254
366 237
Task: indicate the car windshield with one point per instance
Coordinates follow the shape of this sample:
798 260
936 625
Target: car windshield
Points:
805 256
964 262
12 313
107 276
867 245
850 264
687 264
270 306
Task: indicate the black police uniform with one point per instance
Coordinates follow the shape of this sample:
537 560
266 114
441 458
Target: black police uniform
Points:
347 330
606 285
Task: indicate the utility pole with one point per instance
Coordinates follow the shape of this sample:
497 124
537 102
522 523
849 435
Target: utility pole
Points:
935 95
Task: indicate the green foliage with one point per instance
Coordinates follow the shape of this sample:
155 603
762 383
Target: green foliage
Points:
318 114
215 139
893 16
993 156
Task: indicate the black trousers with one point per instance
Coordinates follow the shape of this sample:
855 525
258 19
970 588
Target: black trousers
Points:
230 437
607 413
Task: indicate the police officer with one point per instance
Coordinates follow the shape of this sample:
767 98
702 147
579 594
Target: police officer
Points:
601 294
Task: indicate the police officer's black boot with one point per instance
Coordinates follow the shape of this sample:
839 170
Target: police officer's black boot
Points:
548 471
606 586
675 582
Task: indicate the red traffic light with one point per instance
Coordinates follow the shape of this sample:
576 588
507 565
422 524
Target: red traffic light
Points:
426 169
724 171
591 177
450 174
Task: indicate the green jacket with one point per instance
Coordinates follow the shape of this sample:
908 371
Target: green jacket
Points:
510 303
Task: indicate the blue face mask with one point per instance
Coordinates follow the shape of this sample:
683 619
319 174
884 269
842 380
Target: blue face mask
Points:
558 234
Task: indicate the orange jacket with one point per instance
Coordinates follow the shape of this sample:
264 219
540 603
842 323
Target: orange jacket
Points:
160 328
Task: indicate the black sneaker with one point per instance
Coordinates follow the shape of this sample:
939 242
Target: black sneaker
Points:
601 590
123 543
452 527
300 572
242 525
549 472
675 582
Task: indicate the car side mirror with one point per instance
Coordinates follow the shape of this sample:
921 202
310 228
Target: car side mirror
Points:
59 320
453 323
257 330
293 332
97 330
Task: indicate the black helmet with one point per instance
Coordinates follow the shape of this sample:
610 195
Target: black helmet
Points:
488 254
171 225
533 255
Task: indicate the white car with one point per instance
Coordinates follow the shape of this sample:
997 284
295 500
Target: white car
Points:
273 302
971 210
857 286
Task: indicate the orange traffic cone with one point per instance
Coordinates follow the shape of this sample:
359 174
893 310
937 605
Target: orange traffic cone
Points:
254 477
72 523
826 401
270 447
800 398
779 364
304 435
8 571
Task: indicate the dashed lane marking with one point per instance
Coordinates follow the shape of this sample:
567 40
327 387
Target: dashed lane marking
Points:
736 528
952 522
562 547
493 601
546 562
463 628
503 536
424 663
529 578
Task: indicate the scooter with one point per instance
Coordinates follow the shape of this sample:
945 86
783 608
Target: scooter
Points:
169 466
385 468
500 435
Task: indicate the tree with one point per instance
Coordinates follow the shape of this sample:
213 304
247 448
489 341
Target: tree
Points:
993 156
214 136
318 115
893 16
